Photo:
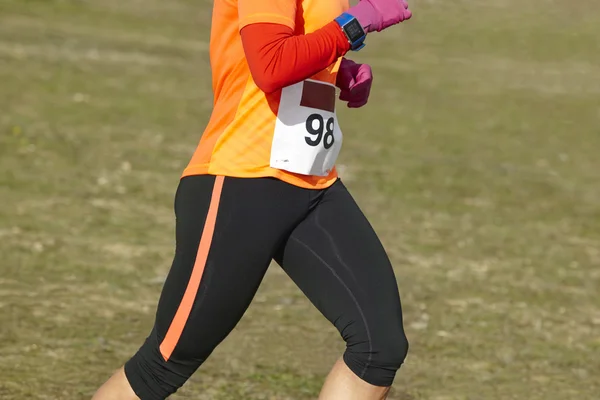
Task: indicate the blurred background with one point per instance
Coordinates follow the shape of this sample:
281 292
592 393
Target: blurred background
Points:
477 161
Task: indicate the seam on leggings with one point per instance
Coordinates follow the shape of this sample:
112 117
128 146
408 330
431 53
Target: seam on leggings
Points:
332 242
360 311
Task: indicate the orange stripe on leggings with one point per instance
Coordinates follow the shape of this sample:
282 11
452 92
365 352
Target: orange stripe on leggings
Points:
185 307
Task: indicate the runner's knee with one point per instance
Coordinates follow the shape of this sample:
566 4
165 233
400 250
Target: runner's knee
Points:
153 378
376 358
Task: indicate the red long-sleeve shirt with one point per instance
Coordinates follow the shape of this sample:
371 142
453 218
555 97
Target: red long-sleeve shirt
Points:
278 58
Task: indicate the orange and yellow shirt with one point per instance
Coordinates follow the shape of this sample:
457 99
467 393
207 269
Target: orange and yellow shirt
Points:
237 140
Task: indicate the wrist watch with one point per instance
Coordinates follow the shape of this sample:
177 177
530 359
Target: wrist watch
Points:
353 30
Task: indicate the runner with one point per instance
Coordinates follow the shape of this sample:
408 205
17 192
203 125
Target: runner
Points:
262 185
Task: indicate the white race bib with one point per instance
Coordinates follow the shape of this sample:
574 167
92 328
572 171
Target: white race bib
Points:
307 137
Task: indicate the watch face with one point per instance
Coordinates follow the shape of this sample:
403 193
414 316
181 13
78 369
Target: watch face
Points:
354 30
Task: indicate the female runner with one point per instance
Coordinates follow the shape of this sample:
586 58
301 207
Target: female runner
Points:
261 186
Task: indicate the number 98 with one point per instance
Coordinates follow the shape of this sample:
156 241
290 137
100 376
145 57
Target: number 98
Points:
323 131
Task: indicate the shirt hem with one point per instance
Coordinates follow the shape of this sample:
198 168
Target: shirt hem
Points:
266 18
292 179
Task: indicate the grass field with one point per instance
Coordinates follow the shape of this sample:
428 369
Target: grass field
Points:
477 161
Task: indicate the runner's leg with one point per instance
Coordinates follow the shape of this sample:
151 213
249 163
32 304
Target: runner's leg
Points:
337 260
227 231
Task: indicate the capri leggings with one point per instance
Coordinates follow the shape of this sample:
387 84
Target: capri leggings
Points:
228 231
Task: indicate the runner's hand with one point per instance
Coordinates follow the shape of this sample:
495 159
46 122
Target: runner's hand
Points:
377 15
355 82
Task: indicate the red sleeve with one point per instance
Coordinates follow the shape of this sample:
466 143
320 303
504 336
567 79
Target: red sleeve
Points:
278 58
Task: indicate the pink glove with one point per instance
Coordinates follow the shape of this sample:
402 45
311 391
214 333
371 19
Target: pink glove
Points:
376 15
355 81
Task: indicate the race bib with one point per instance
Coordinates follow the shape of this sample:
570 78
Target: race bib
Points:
307 137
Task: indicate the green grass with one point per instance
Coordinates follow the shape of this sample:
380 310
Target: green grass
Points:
476 161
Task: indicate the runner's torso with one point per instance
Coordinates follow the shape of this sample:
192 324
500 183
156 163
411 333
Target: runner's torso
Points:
243 137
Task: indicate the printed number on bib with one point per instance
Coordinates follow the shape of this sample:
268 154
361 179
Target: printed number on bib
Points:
321 131
307 138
